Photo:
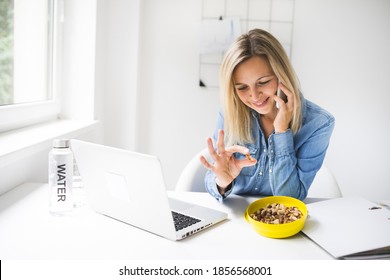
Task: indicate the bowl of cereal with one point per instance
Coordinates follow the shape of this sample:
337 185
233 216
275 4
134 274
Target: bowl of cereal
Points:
277 216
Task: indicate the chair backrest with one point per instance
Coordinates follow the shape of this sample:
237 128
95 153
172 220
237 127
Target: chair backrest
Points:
192 179
324 185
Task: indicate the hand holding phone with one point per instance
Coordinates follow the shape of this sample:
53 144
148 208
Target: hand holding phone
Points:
280 94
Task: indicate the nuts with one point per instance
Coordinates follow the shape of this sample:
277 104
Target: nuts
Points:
248 156
277 213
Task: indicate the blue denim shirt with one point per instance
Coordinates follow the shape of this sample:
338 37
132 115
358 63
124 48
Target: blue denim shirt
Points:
286 163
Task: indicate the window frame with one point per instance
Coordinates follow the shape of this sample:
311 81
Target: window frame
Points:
15 116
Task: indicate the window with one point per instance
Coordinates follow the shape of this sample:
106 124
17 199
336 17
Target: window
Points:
6 51
29 32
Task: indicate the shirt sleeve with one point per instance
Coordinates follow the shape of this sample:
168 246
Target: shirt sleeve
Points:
212 188
292 169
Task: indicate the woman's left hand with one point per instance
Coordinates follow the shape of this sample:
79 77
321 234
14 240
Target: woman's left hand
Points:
285 112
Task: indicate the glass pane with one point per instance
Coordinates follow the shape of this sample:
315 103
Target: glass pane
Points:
24 48
6 51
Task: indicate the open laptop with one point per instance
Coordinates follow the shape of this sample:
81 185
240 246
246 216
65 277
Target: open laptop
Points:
130 187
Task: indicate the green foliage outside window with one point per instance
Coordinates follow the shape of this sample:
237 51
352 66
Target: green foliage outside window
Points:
6 51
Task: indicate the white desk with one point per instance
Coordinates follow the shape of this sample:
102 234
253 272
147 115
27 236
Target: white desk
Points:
28 231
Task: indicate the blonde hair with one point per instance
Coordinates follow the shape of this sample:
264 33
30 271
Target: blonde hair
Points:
256 42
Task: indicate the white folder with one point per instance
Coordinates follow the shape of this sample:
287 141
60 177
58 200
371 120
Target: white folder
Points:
350 228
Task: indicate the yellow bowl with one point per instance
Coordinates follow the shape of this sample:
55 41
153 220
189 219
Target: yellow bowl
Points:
276 230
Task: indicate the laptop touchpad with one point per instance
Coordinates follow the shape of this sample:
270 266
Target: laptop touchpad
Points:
178 205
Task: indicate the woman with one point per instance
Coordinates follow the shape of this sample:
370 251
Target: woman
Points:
264 144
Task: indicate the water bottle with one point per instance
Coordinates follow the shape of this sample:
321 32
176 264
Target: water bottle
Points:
61 178
78 189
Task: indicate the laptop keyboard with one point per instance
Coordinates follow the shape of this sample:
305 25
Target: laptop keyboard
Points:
183 221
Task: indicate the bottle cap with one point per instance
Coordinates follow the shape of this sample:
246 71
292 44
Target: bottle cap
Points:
61 143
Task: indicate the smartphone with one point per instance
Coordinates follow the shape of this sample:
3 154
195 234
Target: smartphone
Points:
281 95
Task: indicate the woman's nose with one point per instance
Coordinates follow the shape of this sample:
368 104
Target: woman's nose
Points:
254 92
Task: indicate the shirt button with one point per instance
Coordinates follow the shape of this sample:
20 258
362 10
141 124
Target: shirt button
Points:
261 173
270 170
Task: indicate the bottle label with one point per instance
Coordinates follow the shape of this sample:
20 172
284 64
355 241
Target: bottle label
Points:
60 181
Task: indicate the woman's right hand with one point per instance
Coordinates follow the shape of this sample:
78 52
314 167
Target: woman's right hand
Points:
225 167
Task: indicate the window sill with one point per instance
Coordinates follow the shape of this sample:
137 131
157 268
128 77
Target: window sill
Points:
23 142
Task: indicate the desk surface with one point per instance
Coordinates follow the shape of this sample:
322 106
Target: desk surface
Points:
28 231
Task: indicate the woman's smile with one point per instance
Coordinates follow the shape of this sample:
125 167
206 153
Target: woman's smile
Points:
261 103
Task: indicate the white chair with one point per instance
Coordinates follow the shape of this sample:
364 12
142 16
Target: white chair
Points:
324 184
192 179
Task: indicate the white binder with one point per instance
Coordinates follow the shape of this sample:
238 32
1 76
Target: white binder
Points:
350 228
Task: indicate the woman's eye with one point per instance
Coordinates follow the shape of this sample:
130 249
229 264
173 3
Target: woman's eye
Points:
241 88
263 83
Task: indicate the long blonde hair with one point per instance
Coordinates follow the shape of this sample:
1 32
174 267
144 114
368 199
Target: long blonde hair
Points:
256 42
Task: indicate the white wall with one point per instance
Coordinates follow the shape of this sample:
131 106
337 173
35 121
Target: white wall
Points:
117 70
77 76
340 51
174 115
341 54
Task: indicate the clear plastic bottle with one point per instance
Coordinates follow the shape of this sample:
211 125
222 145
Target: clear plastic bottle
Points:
78 191
61 178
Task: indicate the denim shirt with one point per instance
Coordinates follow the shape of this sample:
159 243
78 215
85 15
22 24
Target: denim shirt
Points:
286 163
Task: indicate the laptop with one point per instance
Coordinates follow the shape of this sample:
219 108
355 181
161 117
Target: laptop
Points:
129 187
350 228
